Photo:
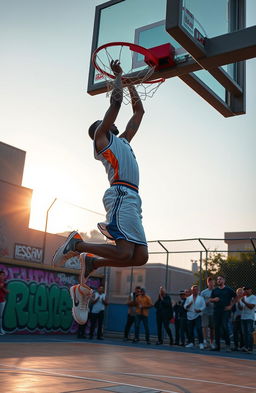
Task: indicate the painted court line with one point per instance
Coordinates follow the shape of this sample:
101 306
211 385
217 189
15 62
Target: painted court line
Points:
193 379
83 378
128 374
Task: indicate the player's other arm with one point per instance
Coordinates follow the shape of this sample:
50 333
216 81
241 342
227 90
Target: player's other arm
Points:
138 112
101 135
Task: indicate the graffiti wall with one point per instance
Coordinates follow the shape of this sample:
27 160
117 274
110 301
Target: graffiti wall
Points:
38 300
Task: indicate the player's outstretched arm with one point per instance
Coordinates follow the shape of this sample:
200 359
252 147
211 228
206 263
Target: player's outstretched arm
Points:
138 112
116 99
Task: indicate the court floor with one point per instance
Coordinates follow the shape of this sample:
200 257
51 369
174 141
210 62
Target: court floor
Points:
64 364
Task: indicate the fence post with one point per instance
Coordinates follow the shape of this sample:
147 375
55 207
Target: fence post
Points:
201 269
167 264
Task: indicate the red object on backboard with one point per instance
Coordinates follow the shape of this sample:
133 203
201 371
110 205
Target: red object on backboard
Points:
165 56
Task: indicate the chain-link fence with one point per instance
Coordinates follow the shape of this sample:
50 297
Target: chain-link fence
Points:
174 264
177 264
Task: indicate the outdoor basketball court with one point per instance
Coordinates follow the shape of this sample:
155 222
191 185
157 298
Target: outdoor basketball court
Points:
40 364
205 43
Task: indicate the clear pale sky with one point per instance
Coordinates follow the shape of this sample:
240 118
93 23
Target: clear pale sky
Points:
197 168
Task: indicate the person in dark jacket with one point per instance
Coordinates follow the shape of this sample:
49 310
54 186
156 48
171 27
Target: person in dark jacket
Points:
164 313
181 327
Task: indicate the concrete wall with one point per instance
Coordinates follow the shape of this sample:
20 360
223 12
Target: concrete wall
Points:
12 162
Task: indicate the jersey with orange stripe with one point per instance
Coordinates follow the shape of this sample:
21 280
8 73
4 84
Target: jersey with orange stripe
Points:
119 161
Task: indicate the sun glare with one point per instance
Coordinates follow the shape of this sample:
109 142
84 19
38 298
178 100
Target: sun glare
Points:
56 215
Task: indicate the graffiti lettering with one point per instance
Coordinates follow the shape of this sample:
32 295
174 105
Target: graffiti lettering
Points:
28 253
33 306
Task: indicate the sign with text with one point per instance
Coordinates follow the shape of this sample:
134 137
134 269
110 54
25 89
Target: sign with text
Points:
28 253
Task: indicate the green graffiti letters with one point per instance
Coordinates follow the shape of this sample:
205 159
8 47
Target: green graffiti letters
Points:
33 306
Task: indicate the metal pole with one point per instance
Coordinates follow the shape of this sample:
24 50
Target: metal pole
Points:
167 264
253 244
206 263
45 228
201 263
206 256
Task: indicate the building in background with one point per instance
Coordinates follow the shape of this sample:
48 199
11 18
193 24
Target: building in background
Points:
239 242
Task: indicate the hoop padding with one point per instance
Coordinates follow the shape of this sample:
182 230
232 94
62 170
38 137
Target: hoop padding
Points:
129 56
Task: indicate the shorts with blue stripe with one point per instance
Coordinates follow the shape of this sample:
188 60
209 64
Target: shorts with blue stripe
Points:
123 219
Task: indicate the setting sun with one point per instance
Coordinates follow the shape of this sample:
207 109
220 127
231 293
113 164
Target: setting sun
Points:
62 215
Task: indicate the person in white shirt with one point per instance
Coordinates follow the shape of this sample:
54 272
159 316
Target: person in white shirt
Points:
249 303
194 305
97 312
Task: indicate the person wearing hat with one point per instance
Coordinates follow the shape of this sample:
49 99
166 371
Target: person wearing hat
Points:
247 318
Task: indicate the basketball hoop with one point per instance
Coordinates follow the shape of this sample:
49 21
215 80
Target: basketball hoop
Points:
128 54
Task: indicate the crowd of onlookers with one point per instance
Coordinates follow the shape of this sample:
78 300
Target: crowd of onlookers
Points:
214 315
211 318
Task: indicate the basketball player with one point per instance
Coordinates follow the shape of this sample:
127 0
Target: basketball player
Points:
121 201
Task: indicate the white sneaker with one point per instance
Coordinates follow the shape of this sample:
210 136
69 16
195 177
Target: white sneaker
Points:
80 296
201 346
2 332
190 345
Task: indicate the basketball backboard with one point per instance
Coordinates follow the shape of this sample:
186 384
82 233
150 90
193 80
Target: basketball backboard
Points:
209 38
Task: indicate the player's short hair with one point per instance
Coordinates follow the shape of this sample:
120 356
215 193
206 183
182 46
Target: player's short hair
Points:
92 129
94 126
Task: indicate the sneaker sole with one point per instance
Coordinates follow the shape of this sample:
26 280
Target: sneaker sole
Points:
82 262
57 259
104 231
80 322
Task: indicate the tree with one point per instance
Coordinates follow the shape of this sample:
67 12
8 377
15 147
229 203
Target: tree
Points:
239 271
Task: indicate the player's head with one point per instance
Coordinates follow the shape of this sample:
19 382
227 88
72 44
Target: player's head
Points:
95 125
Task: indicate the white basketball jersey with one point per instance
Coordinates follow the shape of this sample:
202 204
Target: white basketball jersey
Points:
119 161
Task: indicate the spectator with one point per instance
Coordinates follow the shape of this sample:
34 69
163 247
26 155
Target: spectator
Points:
3 293
236 321
247 318
164 314
180 314
97 312
131 312
188 292
223 298
207 316
194 305
143 304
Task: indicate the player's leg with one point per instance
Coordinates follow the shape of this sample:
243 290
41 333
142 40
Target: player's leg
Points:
138 258
123 251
